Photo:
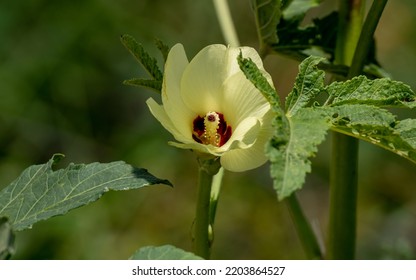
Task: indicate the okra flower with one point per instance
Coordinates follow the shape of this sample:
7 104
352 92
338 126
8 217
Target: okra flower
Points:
209 106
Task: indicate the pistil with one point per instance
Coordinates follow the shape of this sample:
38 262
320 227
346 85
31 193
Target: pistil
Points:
211 129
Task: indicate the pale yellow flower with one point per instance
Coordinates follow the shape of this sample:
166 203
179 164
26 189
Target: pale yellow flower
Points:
209 106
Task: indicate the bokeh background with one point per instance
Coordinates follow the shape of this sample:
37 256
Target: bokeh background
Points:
61 72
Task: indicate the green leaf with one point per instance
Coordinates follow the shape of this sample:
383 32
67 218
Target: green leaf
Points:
318 38
407 129
302 128
6 239
164 49
377 126
353 115
166 252
40 193
258 79
289 155
267 14
152 84
308 84
298 8
379 92
299 41
149 63
296 136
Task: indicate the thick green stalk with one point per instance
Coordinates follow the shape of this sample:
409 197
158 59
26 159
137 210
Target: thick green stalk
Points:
202 241
342 221
366 37
303 228
202 234
344 162
351 15
343 197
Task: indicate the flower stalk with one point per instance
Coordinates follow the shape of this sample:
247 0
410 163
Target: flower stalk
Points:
203 231
306 235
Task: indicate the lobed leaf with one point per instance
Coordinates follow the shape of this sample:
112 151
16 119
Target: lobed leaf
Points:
166 252
290 155
148 62
377 126
308 84
379 92
352 112
40 193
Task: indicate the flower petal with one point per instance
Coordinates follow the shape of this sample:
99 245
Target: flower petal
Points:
247 52
180 115
242 99
239 160
202 79
207 149
244 135
160 114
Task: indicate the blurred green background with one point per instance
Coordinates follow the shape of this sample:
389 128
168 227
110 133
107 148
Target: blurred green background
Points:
61 72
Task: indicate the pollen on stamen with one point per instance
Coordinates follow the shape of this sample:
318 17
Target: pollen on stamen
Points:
211 123
211 129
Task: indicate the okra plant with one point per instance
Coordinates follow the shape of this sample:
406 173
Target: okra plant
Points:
222 105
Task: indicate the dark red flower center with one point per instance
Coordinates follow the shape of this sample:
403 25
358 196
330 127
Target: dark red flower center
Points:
211 129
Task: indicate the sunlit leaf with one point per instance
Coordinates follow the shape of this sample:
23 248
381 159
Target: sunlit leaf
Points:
40 192
349 109
308 84
379 92
166 252
377 126
296 137
290 156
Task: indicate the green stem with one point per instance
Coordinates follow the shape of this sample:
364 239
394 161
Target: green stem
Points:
203 226
344 162
366 37
351 15
343 197
303 228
